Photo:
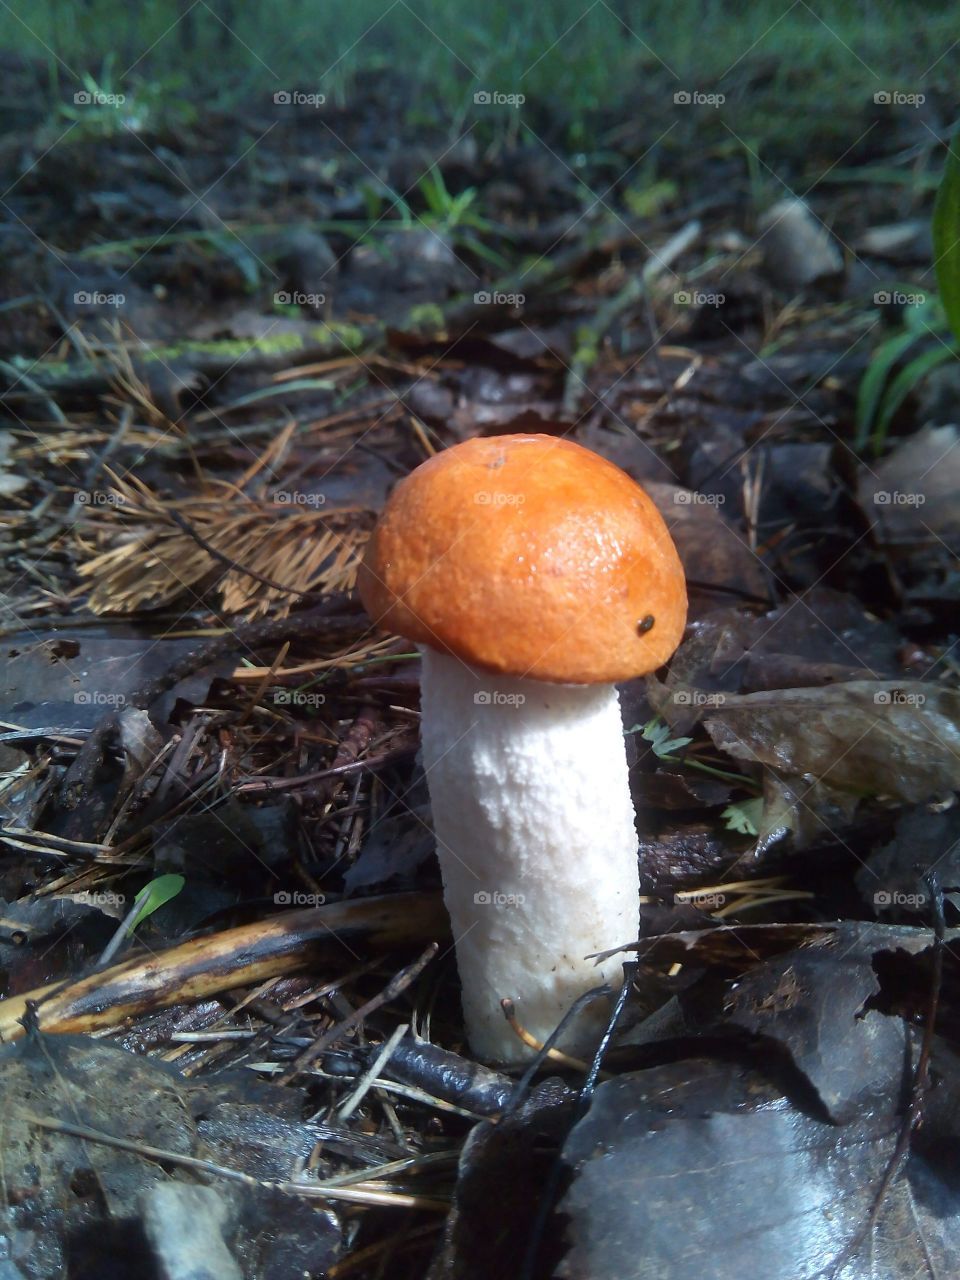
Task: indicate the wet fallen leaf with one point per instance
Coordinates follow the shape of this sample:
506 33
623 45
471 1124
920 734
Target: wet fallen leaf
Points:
897 876
703 1168
71 680
861 736
811 1004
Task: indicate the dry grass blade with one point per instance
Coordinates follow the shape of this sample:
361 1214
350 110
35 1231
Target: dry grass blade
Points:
355 655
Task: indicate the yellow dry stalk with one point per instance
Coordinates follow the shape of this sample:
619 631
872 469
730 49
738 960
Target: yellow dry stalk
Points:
355 655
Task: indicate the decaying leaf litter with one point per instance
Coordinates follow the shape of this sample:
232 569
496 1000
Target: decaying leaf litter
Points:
190 688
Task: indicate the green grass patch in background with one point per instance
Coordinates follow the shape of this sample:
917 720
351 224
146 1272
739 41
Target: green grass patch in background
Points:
786 71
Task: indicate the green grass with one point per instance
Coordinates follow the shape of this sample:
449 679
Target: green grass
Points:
787 72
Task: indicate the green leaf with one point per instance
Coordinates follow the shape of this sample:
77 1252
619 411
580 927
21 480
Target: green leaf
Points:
434 191
657 733
153 896
874 380
905 381
946 237
744 816
445 209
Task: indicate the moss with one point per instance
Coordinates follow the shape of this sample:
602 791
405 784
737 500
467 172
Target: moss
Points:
350 335
228 348
333 338
427 316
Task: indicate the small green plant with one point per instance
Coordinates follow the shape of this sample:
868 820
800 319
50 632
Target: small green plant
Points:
99 106
744 816
155 894
930 334
104 108
456 215
657 733
152 897
888 381
446 210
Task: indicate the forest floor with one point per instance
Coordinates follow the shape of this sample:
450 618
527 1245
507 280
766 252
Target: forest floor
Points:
221 346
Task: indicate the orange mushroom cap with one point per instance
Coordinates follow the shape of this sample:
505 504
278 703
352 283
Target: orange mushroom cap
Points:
527 555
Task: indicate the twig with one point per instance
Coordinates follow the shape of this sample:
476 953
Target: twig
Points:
443 1074
591 338
394 987
365 1082
335 771
261 688
549 1194
360 1259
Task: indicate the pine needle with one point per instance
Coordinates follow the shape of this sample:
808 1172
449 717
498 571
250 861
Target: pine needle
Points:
150 560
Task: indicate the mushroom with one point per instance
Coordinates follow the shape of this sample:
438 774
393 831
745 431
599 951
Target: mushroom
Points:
533 574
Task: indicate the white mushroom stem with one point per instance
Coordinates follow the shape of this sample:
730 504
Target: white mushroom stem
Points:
535 833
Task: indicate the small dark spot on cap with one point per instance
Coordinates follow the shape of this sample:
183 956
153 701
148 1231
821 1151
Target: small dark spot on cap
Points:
645 625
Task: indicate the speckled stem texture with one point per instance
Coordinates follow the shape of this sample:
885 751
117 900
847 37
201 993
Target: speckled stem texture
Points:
536 839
